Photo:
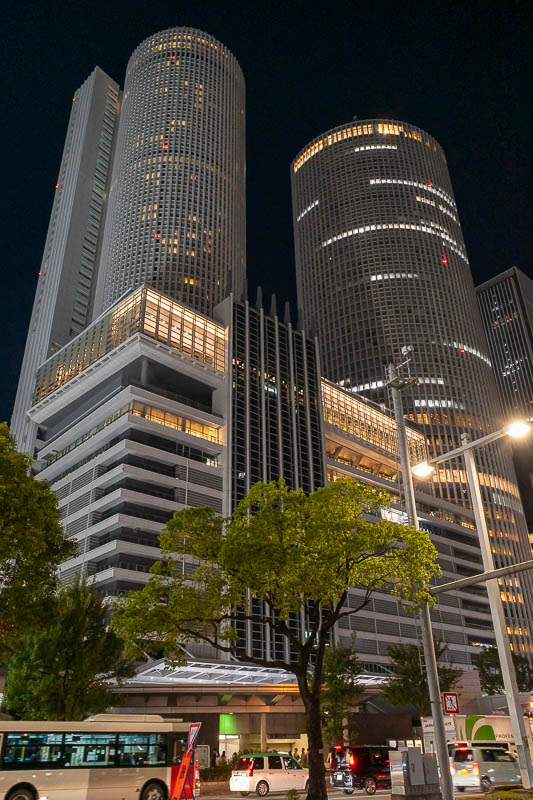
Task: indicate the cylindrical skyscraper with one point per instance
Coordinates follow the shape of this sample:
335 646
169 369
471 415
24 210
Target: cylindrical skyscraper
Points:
381 263
177 218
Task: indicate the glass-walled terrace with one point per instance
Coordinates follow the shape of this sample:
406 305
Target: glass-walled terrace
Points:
361 420
143 311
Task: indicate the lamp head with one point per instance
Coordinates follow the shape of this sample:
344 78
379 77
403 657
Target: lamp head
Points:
423 470
518 429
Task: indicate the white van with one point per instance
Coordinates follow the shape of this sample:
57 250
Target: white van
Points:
482 767
268 772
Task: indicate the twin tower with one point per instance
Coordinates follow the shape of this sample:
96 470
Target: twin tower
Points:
152 190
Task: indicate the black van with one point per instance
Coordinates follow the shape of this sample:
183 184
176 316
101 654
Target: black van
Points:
361 767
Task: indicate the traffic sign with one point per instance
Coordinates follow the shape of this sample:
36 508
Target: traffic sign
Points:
451 702
194 730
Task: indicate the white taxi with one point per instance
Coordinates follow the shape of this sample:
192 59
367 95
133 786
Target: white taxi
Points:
268 772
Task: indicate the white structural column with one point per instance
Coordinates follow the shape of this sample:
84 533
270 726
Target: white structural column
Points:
500 628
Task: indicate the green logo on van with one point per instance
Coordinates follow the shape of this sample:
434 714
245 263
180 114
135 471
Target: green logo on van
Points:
475 732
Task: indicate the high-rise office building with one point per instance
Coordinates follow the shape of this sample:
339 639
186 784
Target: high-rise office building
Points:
65 290
177 218
381 263
151 190
274 428
154 408
275 404
506 304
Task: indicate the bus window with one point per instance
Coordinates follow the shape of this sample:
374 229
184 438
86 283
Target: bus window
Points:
149 749
179 746
90 749
27 750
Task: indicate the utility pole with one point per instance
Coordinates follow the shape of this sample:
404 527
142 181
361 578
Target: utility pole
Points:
396 383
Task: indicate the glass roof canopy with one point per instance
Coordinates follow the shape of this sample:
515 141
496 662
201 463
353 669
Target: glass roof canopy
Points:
224 673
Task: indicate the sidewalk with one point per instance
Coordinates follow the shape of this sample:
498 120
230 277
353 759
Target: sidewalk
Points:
220 791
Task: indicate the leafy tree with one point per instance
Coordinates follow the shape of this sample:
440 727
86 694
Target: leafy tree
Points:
341 688
490 673
409 685
32 545
298 556
61 670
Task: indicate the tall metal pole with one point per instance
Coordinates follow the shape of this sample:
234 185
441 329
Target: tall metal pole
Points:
500 627
432 674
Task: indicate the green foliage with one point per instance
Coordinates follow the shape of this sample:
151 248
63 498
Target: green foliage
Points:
409 685
297 554
490 672
221 772
59 671
286 548
32 545
341 688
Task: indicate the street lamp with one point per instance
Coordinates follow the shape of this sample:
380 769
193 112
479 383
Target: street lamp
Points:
515 430
396 383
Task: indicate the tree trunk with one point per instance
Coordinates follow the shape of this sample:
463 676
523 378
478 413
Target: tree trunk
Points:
317 772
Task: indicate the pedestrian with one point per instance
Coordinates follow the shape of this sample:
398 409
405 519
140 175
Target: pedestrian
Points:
304 759
214 757
295 754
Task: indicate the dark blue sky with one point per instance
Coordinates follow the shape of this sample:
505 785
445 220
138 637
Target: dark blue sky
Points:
461 70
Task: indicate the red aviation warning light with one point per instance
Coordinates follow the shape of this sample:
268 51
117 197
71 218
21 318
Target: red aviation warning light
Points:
429 184
444 259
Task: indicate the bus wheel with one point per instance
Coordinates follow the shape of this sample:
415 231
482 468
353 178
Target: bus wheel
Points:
21 794
154 791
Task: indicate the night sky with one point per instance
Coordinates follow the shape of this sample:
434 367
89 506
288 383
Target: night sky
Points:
460 70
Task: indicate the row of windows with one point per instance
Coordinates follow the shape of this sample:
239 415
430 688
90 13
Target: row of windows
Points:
48 750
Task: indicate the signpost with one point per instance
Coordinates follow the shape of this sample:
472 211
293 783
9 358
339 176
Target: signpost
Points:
182 775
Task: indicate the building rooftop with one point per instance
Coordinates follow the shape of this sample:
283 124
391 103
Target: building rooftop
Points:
142 311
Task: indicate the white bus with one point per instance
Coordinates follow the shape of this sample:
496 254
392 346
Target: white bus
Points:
106 757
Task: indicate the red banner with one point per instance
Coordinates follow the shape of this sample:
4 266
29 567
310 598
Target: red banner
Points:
181 774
